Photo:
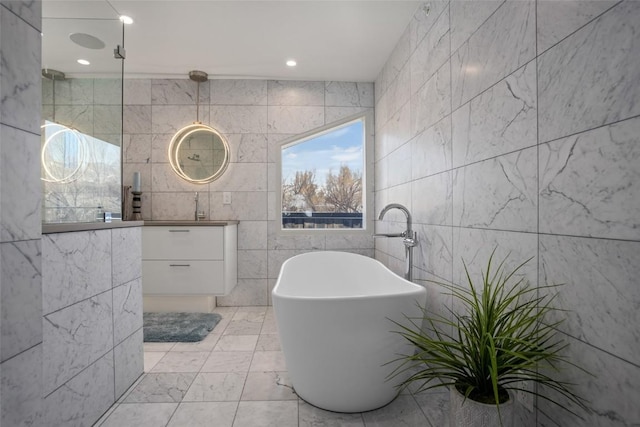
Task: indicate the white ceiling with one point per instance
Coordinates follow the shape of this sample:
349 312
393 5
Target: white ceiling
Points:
331 40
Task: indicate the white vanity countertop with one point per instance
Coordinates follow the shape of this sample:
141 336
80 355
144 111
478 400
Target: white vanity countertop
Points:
49 228
190 223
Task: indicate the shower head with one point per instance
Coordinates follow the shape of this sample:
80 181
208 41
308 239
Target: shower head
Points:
53 74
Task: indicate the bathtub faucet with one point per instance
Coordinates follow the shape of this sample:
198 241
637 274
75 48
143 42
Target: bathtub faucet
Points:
198 214
409 237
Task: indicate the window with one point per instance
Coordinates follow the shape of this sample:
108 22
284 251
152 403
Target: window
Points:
324 178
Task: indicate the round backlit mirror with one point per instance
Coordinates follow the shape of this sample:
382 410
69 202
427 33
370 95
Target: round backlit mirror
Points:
198 153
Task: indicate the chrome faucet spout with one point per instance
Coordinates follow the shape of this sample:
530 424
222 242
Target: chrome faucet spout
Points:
197 217
410 237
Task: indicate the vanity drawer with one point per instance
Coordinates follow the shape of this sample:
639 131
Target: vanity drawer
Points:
180 242
178 277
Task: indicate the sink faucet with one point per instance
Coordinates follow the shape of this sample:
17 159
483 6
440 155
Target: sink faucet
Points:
409 237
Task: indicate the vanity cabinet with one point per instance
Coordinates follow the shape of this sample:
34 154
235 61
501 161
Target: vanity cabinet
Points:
189 259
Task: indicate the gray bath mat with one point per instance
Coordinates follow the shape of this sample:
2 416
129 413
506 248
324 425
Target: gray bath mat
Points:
178 327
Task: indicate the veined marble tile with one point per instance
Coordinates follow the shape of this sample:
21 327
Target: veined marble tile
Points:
75 266
474 246
435 406
137 92
83 399
248 147
296 241
238 92
590 79
267 361
245 205
239 119
127 309
137 148
294 119
75 91
467 17
341 242
348 94
200 414
107 92
232 360
137 119
505 42
334 114
589 183
431 53
107 119
498 121
74 338
164 387
264 414
268 386
172 118
252 235
21 387
432 199
141 415
252 264
500 193
398 59
216 387
176 361
433 254
403 410
432 102
29 11
295 93
128 362
431 150
178 92
599 290
243 327
246 292
160 143
399 91
612 391
177 205
269 341
21 297
310 416
21 191
423 20
397 174
164 178
242 177
395 132
557 19
79 117
20 82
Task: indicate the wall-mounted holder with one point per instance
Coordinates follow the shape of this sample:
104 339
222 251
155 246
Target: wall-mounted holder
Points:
137 206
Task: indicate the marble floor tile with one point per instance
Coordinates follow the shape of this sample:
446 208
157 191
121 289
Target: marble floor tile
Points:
268 342
158 346
435 406
207 344
268 361
268 386
404 411
203 414
166 387
228 361
151 359
236 343
243 327
181 361
251 314
140 415
216 387
310 416
267 414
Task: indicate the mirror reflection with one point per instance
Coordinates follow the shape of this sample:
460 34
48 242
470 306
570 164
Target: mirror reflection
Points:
198 153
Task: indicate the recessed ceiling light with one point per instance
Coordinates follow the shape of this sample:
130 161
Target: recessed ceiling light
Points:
126 19
291 63
83 62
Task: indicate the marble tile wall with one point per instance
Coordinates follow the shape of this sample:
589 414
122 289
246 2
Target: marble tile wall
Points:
20 195
516 125
92 321
254 116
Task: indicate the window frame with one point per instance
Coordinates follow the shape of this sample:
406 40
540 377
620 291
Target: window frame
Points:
367 176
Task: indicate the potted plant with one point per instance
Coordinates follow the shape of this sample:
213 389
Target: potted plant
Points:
497 341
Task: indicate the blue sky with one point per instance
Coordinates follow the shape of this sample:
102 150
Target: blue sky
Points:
326 152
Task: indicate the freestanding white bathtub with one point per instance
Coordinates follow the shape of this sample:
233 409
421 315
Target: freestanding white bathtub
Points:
332 310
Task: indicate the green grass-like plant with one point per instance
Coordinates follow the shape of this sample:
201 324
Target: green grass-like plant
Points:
499 339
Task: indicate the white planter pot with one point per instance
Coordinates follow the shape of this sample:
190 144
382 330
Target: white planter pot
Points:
476 414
